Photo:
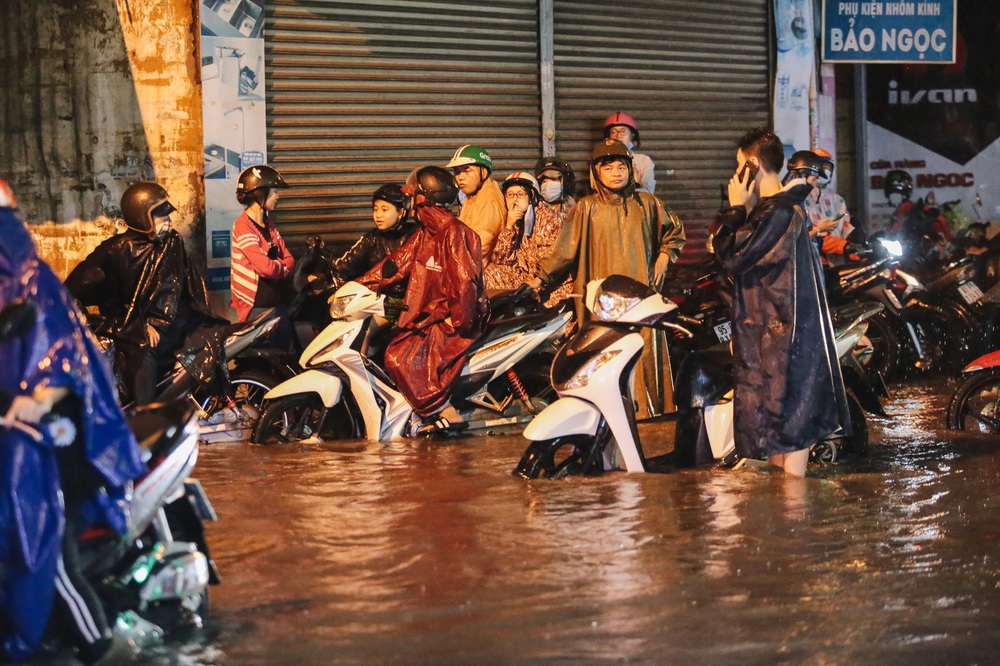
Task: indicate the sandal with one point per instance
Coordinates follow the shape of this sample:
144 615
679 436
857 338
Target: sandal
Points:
441 427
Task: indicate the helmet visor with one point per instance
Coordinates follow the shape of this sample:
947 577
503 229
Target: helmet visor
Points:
164 209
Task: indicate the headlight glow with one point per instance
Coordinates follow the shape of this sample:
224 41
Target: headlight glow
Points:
895 248
582 376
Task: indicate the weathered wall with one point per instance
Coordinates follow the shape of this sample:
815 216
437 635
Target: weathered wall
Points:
95 97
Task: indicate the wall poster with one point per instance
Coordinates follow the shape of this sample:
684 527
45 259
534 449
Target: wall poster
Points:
234 118
940 123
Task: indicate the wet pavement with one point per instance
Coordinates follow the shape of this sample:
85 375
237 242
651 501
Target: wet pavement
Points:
434 554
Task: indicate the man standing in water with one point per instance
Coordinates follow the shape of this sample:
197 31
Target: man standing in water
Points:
789 391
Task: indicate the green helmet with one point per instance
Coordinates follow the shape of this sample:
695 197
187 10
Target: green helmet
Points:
898 180
470 154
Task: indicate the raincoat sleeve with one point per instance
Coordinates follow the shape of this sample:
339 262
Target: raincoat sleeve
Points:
673 239
80 281
507 243
566 249
464 284
404 258
355 261
743 243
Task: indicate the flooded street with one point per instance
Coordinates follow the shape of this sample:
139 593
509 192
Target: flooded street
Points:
434 553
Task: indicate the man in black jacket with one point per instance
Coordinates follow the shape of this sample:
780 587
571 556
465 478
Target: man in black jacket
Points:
144 285
789 391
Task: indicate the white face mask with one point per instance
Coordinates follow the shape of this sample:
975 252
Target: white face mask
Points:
551 190
895 198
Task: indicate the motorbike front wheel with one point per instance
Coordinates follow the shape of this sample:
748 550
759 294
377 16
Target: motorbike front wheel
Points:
561 457
303 417
975 403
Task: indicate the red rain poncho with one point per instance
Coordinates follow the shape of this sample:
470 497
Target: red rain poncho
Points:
443 264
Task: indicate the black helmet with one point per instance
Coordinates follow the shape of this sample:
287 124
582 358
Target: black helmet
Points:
393 194
608 150
255 178
556 164
140 202
436 184
804 163
898 180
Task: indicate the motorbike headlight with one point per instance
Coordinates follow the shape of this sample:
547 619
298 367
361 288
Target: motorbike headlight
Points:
609 306
581 377
338 305
895 248
336 342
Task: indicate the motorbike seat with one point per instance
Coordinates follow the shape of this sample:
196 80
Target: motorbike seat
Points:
503 327
156 425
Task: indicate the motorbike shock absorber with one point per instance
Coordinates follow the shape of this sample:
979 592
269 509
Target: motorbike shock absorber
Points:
519 391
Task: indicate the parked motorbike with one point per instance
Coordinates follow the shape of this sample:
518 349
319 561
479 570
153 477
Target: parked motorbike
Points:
344 393
593 421
226 375
975 404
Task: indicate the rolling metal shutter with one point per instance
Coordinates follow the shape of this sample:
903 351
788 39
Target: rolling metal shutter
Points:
694 75
361 92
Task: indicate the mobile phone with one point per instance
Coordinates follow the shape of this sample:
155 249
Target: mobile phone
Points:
752 168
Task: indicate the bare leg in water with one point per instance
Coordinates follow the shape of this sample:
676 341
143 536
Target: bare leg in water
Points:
793 463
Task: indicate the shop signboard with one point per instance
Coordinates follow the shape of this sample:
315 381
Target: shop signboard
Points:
885 31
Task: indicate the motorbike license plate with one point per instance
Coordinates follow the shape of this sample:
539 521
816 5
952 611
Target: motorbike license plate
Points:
970 291
724 331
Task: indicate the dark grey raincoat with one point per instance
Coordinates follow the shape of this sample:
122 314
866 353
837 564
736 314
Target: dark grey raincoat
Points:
788 388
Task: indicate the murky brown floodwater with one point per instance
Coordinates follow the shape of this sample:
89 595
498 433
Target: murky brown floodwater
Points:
433 553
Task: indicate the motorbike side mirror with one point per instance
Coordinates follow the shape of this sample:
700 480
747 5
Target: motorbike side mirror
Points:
389 268
17 319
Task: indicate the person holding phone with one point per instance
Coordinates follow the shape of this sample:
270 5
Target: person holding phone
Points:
789 391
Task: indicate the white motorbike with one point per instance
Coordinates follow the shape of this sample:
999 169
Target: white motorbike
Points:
591 428
343 393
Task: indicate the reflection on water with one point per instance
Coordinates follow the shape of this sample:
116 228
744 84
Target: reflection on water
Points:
433 553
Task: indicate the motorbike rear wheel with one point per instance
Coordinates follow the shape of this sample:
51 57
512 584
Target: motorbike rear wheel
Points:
303 417
975 403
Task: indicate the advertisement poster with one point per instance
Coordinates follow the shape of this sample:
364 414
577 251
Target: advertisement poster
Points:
234 118
793 82
940 124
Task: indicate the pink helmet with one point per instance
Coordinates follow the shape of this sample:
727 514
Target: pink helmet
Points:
7 198
621 118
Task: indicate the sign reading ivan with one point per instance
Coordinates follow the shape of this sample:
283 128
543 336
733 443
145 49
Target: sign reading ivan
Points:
875 31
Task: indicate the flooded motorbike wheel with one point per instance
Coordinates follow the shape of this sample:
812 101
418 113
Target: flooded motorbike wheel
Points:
561 457
975 403
885 346
304 418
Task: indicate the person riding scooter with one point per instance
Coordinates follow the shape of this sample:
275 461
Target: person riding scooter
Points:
445 308
87 459
146 287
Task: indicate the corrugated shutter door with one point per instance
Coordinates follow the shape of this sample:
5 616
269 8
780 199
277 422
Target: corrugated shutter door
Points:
694 75
359 93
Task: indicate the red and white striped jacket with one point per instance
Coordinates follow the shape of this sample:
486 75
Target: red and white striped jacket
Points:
250 262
